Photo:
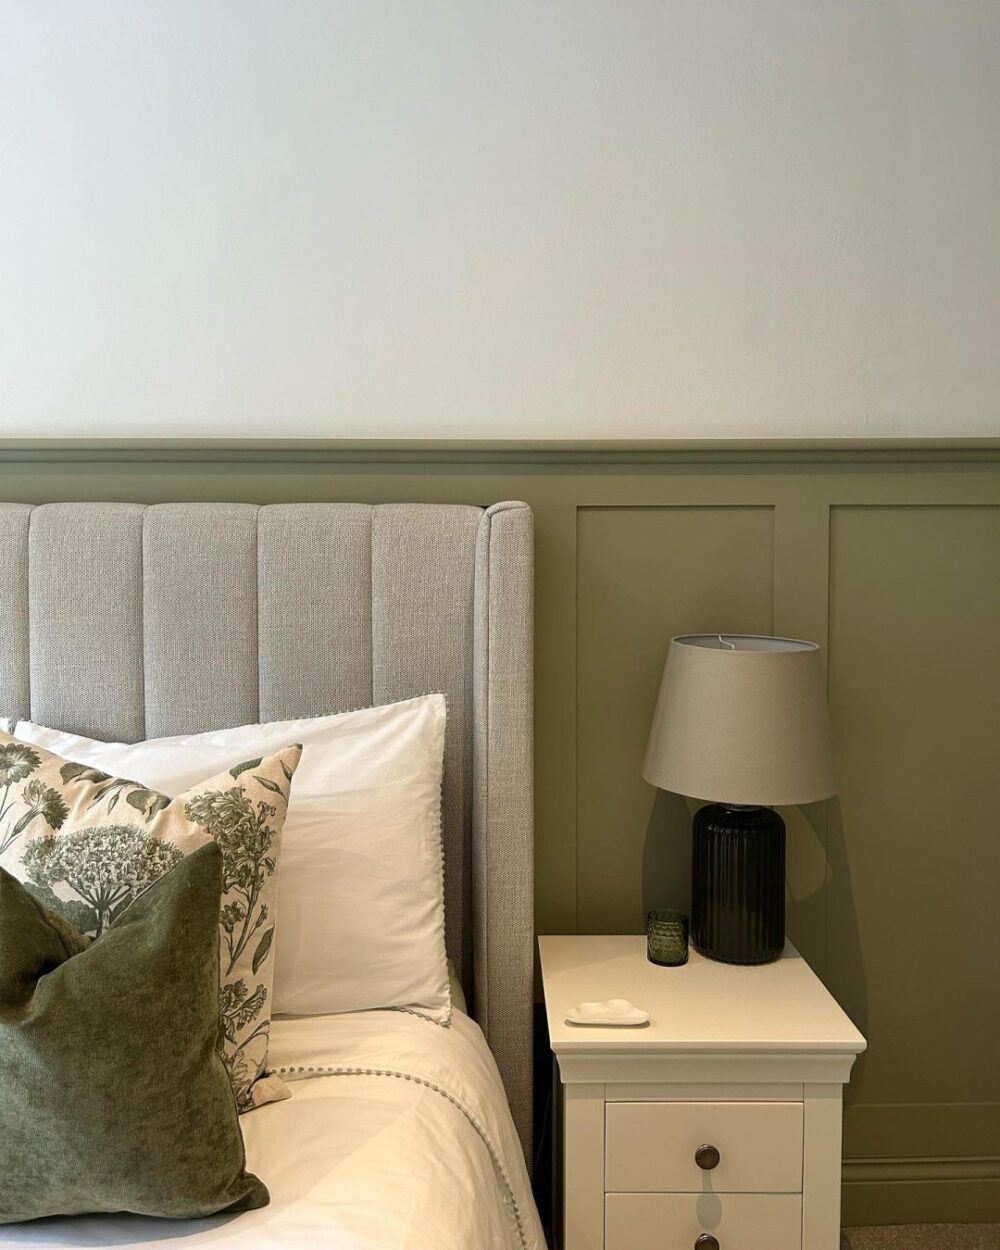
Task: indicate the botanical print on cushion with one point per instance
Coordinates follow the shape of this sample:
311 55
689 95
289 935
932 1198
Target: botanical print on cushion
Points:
18 761
88 845
106 868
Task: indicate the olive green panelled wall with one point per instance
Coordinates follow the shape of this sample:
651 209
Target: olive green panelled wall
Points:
889 556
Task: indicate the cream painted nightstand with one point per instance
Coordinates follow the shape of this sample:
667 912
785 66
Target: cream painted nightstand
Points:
718 1125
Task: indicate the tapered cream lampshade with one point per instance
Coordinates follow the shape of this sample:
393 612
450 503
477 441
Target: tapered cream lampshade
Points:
742 719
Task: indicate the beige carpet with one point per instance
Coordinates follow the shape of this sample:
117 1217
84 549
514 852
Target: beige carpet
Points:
924 1237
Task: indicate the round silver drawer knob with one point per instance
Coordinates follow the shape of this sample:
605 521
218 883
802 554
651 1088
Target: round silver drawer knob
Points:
707 1242
707 1158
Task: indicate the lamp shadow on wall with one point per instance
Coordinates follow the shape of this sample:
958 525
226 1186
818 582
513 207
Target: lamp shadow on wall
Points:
822 917
666 854
844 974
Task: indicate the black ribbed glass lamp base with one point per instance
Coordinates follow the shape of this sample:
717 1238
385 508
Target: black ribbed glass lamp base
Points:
738 884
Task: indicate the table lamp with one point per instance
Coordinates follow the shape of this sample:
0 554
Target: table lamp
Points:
743 722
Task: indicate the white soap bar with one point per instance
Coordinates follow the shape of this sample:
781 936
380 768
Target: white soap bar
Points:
614 1013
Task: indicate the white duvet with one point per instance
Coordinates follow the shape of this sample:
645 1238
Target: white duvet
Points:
397 1135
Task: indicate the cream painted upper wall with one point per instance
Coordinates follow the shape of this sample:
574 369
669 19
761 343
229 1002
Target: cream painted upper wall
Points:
495 218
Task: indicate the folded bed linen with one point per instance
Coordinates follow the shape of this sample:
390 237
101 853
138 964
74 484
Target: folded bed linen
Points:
398 1134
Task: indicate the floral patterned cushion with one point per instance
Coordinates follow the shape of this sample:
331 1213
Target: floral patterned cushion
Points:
87 845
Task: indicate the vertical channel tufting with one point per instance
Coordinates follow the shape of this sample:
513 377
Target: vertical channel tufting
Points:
85 612
423 570
503 818
314 588
110 610
200 617
15 699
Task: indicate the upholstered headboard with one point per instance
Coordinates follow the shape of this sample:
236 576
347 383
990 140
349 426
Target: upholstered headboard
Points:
123 621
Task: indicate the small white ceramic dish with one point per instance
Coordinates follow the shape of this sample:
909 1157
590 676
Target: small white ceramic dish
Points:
615 1013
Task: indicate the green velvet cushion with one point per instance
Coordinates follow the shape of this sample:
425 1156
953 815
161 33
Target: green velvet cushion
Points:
113 1095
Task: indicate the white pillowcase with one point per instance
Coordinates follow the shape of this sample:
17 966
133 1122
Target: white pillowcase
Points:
360 919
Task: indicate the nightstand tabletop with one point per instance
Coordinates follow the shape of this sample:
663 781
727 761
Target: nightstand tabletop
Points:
702 1006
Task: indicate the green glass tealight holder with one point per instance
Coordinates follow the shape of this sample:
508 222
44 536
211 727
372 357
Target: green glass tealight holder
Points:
666 937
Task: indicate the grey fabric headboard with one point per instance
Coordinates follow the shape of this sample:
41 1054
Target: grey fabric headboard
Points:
123 621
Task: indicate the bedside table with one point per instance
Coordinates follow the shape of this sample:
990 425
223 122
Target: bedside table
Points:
715 1127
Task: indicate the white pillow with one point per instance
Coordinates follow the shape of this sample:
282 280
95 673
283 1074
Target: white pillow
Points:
360 919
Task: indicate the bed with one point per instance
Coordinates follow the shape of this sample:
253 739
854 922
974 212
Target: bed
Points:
399 1132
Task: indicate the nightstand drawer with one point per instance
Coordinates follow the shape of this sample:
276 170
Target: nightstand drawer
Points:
652 1146
676 1221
